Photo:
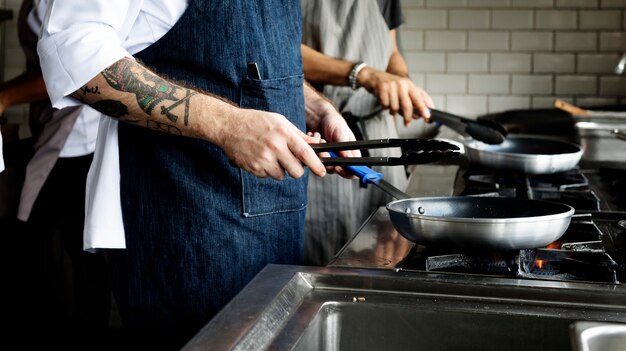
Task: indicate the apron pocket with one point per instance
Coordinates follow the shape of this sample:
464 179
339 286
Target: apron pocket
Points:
263 196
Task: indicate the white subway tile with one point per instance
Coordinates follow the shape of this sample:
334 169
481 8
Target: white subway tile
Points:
531 85
576 41
613 41
556 19
411 39
606 19
613 3
438 100
412 3
532 3
469 19
577 3
554 63
425 61
613 86
512 19
538 102
489 84
485 41
446 3
532 41
446 83
597 63
468 62
469 106
514 62
489 3
425 18
417 78
576 85
595 101
505 103
445 40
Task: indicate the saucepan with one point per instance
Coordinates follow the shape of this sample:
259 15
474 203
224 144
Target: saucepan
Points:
472 222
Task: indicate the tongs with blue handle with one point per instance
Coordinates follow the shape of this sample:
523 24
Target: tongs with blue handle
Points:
370 176
414 151
489 132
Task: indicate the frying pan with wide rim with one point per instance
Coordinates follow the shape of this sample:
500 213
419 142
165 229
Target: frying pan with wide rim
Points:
527 154
472 222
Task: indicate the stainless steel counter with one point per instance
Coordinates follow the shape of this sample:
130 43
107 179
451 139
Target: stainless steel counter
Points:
314 308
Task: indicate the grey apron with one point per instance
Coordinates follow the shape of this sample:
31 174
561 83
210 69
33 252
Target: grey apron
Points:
352 30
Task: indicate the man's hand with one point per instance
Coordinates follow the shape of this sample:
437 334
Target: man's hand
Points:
398 94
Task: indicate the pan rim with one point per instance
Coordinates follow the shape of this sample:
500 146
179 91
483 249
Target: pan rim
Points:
476 145
568 211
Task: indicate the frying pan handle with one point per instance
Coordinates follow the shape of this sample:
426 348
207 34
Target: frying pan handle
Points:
365 174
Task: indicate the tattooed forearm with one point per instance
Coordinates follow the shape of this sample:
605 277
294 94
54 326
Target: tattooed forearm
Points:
162 127
149 91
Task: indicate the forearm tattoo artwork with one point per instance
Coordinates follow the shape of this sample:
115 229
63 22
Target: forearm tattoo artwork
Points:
150 91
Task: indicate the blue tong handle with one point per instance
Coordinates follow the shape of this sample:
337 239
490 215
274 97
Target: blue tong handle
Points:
365 174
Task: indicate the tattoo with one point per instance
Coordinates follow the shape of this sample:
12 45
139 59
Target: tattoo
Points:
113 108
162 127
121 77
89 90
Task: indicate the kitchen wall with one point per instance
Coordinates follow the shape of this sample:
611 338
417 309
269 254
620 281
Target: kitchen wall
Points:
482 56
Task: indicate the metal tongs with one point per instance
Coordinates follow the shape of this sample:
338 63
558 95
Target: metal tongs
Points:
414 151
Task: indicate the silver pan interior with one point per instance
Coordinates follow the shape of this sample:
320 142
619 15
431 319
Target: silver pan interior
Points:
527 154
480 222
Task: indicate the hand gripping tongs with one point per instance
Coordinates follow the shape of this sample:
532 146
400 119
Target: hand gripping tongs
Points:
414 151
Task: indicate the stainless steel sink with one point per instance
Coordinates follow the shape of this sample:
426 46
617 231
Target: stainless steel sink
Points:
307 308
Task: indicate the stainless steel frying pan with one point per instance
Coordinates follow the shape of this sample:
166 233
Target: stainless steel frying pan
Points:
472 222
527 154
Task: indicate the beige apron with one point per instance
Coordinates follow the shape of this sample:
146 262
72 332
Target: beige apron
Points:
352 30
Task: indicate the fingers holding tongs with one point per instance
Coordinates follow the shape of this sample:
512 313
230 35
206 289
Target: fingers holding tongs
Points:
414 151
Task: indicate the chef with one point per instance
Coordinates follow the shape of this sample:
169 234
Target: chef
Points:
213 153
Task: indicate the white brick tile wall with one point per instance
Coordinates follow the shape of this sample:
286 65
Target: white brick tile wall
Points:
532 3
576 85
510 62
411 3
503 103
446 3
470 19
468 62
532 85
488 41
576 41
445 40
577 3
596 101
425 62
554 63
556 19
532 41
548 101
467 105
613 3
613 85
489 3
597 63
608 19
425 18
512 19
418 78
613 41
489 84
446 83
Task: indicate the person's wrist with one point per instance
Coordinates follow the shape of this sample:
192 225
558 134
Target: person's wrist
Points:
354 73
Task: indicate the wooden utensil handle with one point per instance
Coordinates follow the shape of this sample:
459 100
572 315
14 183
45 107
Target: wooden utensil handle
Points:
571 109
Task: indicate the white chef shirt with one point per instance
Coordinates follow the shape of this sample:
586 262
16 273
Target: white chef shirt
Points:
79 39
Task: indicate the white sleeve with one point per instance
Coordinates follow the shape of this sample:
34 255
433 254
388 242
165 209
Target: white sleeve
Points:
79 39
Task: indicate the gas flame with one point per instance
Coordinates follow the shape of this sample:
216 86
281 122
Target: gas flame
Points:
539 264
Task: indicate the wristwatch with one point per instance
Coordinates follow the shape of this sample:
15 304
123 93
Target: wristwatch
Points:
354 73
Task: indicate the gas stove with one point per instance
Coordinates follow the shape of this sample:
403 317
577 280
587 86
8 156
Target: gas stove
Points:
593 249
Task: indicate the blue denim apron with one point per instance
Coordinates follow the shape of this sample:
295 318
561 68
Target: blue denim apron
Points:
197 228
